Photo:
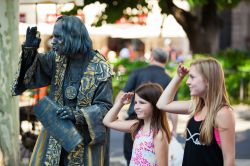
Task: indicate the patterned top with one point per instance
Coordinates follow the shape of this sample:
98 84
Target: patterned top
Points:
143 150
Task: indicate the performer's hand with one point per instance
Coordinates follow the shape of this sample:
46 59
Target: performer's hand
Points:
32 38
66 113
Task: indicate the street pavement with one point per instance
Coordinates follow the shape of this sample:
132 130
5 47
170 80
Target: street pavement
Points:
242 119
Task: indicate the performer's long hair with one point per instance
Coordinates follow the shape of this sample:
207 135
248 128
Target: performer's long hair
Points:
76 38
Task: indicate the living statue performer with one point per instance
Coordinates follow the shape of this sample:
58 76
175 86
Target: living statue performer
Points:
80 85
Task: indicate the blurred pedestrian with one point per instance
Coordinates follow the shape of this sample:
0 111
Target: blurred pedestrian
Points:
172 52
127 52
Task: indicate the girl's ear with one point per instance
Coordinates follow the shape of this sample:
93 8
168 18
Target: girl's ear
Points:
206 82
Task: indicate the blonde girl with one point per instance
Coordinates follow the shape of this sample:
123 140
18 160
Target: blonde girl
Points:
211 129
150 130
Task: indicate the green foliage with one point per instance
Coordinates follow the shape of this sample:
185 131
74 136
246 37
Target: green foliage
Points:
72 11
122 69
115 9
120 78
194 3
236 66
235 63
226 3
221 4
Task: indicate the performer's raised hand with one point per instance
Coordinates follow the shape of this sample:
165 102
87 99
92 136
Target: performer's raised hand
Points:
32 38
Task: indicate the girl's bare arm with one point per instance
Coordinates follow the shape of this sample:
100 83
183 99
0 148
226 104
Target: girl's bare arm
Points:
161 146
226 127
111 121
166 103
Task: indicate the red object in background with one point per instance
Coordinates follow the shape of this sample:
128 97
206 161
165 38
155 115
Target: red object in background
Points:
22 17
39 93
139 19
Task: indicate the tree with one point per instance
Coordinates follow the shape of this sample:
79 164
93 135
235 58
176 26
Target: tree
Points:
9 117
202 24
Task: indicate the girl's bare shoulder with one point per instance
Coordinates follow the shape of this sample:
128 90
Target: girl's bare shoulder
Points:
160 136
224 116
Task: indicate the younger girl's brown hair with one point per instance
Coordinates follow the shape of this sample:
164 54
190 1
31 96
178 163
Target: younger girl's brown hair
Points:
151 92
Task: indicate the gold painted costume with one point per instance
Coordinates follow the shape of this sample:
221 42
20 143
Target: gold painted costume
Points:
94 99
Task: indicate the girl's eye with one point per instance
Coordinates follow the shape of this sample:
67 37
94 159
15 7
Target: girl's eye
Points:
191 76
141 102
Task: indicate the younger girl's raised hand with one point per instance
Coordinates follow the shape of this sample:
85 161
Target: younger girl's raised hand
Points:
126 98
110 120
182 71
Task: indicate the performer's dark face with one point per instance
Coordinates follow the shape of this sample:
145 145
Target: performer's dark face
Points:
57 40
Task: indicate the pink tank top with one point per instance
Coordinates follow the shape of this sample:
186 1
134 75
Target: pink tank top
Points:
216 133
143 153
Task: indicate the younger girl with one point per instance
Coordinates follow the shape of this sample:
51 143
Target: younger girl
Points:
150 130
211 129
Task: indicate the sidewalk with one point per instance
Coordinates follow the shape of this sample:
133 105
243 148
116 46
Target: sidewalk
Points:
121 162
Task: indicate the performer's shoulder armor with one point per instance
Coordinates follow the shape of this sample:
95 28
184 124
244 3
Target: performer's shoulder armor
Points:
102 68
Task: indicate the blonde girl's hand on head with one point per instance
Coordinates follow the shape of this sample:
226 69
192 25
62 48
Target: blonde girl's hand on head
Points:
166 101
182 71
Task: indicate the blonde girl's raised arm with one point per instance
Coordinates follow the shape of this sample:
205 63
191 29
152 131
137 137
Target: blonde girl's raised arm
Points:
226 127
166 103
161 146
111 121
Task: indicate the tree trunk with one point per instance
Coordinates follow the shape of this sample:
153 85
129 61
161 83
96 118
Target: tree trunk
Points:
202 27
204 40
9 115
203 32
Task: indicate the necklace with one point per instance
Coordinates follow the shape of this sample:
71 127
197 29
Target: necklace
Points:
73 77
70 92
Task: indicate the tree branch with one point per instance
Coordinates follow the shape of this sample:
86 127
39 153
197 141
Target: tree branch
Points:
184 18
